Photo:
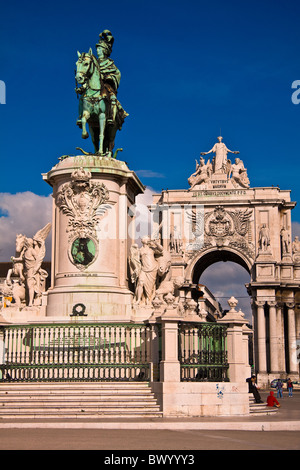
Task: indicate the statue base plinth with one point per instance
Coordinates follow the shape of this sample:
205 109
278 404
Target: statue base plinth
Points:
91 238
23 314
103 304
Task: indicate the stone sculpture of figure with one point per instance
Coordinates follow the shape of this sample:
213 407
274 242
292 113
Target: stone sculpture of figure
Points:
170 287
134 263
264 238
27 268
296 249
285 240
175 240
18 261
164 266
146 283
33 258
220 160
238 174
202 173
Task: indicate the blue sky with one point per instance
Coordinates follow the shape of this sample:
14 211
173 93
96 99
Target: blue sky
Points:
188 70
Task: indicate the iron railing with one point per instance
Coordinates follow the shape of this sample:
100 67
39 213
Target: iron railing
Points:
76 352
202 352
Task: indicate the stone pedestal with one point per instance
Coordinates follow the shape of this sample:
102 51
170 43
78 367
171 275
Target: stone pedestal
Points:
237 343
91 239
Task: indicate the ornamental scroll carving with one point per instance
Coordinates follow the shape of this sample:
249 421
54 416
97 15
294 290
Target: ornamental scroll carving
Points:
80 200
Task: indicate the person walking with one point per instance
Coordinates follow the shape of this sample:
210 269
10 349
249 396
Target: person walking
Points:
279 386
290 387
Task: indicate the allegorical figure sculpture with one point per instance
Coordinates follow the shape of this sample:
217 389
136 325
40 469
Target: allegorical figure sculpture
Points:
149 268
146 281
264 238
238 174
30 276
220 159
285 240
296 249
220 171
99 107
202 174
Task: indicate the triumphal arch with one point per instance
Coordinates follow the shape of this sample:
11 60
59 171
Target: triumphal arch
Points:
232 221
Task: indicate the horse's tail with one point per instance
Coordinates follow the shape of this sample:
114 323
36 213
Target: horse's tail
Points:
83 151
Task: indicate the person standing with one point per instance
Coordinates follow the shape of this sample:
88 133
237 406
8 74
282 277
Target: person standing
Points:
279 386
290 387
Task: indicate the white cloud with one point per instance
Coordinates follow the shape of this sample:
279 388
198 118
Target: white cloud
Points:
27 213
24 213
146 198
149 174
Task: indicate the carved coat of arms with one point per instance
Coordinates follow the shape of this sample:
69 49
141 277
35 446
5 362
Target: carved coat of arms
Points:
80 200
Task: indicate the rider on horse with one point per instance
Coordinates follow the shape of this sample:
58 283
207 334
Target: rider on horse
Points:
110 78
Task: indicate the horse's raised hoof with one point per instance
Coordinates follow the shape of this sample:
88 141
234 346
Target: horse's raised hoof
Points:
85 136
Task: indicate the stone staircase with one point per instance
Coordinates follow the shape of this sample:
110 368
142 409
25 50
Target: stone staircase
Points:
257 409
77 400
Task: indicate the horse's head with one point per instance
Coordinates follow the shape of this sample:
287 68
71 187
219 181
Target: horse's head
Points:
20 242
164 263
84 66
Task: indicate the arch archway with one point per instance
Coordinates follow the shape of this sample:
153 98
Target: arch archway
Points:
204 259
234 272
227 279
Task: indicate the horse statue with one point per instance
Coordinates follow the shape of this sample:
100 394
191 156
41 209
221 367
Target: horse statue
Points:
94 107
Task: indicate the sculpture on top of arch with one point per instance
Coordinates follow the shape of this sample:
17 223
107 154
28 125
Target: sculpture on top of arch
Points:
221 172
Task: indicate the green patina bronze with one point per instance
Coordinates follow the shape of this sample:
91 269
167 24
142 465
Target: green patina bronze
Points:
83 251
98 81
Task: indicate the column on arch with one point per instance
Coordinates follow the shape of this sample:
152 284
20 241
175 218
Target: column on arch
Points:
273 331
292 338
280 336
261 337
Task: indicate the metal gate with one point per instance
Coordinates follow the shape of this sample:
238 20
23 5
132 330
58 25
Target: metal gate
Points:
202 352
76 352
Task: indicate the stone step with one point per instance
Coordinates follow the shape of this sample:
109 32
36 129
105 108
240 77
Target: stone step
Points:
84 414
11 397
79 400
260 408
70 393
74 385
73 400
68 408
